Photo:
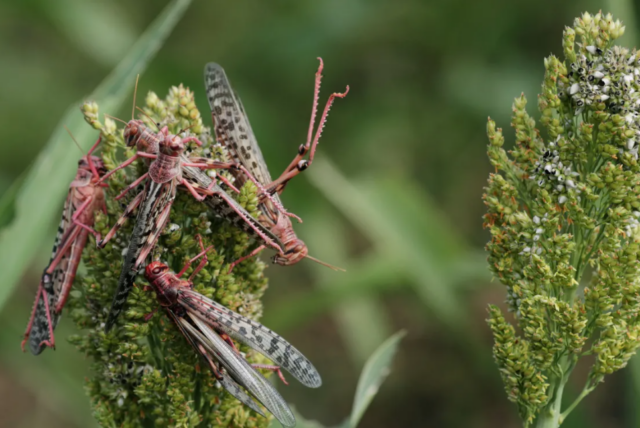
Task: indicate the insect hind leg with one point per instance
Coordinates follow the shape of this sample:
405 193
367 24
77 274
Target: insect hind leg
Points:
40 305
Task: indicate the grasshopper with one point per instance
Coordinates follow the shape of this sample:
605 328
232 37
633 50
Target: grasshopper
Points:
137 134
209 327
85 197
154 205
233 131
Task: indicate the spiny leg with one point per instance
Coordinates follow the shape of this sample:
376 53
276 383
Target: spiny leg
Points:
298 164
233 165
41 292
127 163
264 193
63 250
72 268
248 256
92 167
132 185
202 263
250 221
272 368
192 190
77 213
125 215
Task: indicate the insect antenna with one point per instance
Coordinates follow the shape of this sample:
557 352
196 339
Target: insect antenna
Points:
336 268
87 156
135 92
187 128
74 140
156 124
114 118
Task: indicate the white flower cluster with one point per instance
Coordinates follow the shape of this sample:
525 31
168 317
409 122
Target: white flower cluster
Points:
550 170
612 78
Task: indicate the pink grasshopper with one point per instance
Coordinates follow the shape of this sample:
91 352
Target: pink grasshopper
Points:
154 205
209 327
233 131
137 134
85 197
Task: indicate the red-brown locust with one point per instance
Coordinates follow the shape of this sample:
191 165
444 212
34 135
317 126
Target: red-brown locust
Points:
137 134
85 197
210 327
233 131
154 206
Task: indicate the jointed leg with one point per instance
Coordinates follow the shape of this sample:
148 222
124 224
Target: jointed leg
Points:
248 256
250 221
42 293
70 272
264 193
190 139
63 249
132 186
76 214
202 263
192 190
127 163
273 368
92 167
298 165
125 215
225 181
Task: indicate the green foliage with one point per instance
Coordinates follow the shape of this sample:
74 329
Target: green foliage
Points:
144 372
563 211
376 369
373 374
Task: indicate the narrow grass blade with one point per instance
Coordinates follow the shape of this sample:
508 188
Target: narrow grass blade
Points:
375 371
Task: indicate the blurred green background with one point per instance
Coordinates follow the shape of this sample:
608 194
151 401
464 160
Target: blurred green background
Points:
394 195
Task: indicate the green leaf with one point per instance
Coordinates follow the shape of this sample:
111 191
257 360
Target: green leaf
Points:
375 371
8 202
39 201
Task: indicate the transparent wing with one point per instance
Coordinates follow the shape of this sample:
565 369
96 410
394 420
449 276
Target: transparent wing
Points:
231 124
242 371
254 335
198 342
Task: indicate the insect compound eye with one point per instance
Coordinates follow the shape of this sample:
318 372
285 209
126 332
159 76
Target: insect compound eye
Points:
157 270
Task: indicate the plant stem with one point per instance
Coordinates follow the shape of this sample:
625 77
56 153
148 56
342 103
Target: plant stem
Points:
585 391
549 417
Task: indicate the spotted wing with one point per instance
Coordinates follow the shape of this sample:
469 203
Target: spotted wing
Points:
242 372
149 223
52 284
197 341
253 334
231 124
